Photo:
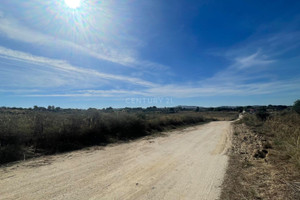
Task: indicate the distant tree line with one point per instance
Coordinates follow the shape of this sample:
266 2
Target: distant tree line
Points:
161 110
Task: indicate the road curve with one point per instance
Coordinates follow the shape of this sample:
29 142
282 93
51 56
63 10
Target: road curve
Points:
187 164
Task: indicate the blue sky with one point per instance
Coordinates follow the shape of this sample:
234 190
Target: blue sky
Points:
132 53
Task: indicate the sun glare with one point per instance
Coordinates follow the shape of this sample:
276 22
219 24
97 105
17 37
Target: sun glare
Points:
73 3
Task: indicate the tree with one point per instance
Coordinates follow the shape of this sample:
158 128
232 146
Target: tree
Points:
296 106
51 108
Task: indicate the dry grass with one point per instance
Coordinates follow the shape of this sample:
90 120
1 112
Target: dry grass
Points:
28 133
275 176
286 130
221 115
282 129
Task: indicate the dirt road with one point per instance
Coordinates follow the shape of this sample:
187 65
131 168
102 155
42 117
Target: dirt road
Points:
187 164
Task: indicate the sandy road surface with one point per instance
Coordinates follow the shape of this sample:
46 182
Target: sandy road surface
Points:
188 164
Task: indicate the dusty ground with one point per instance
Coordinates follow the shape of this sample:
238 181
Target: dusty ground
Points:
187 164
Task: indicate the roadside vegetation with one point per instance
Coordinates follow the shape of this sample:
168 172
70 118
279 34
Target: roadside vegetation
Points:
26 133
265 157
282 130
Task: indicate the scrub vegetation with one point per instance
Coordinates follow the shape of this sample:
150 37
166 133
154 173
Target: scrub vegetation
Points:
26 133
265 157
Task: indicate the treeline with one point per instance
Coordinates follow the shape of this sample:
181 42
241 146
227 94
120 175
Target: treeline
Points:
25 133
156 109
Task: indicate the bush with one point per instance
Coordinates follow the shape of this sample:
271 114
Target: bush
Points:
262 115
296 106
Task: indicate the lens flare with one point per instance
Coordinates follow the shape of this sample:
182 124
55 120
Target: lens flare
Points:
73 3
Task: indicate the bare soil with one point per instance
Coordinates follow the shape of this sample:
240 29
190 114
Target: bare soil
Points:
186 164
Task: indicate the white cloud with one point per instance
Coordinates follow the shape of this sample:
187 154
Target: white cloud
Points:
188 91
235 81
252 60
13 29
248 61
230 81
253 66
93 93
68 68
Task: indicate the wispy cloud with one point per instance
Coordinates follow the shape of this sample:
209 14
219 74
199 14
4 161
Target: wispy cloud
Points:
236 79
94 93
66 67
188 91
252 60
13 29
249 73
267 46
256 59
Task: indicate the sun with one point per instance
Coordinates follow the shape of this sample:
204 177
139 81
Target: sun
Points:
73 3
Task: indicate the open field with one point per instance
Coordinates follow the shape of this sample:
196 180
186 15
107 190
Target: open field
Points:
27 133
185 164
